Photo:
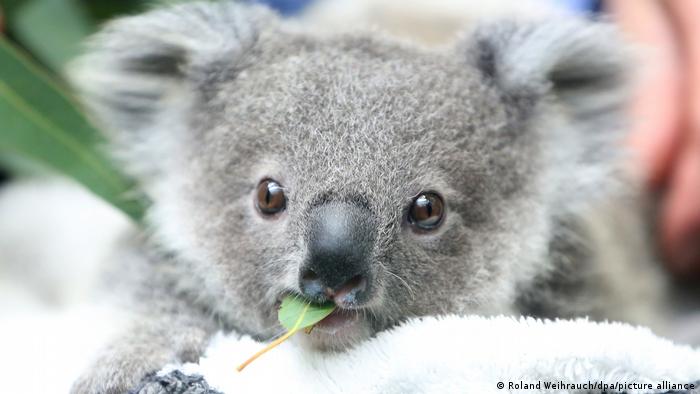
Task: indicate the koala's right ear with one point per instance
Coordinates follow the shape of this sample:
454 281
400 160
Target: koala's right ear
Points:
583 64
139 67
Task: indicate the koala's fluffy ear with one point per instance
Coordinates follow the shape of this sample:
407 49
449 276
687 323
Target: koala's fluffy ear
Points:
566 81
138 67
582 63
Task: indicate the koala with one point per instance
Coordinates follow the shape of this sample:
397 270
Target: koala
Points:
393 179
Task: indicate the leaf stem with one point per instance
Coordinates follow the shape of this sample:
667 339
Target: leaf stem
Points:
277 341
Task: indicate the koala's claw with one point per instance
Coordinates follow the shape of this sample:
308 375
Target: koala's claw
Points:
174 382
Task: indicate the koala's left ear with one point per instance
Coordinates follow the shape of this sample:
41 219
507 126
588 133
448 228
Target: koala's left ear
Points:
581 63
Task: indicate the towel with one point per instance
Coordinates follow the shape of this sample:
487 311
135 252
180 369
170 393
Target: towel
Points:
451 354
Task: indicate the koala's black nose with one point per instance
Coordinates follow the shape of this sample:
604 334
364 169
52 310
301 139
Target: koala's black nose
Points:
340 243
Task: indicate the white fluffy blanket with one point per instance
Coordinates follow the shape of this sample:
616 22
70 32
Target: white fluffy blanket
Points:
463 355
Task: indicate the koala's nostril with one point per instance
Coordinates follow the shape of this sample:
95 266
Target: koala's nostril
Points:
311 286
351 292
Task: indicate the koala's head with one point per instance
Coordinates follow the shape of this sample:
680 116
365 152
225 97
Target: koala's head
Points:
393 180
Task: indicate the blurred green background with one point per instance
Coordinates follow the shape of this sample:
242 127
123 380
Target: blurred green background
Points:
52 30
42 128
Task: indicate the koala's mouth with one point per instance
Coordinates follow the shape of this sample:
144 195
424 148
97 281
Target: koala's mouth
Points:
341 329
339 319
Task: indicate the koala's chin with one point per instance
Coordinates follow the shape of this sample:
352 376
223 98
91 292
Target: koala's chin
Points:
339 331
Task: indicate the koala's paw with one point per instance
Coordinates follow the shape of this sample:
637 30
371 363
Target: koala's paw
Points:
174 382
115 376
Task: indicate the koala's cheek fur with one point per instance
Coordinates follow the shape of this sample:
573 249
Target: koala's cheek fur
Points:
239 263
466 269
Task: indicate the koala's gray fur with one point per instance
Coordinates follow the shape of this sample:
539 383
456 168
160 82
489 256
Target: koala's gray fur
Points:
516 127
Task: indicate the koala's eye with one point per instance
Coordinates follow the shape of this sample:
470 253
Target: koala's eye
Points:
270 197
427 211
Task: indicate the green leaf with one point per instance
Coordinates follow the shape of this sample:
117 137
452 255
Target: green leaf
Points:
39 121
295 314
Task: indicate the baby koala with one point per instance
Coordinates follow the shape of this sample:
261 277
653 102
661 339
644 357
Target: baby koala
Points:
392 179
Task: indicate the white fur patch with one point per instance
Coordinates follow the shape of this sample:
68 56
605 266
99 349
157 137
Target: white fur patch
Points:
456 354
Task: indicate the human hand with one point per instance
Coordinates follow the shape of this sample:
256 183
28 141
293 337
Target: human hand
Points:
666 118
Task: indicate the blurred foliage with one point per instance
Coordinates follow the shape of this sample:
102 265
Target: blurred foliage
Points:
54 46
40 123
41 126
53 30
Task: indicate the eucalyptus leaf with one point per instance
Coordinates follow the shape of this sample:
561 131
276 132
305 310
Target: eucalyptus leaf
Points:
39 121
296 314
